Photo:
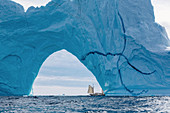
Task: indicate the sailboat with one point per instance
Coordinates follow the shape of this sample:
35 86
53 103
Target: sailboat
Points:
91 92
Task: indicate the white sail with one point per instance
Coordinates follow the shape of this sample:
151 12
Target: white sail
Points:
91 89
102 91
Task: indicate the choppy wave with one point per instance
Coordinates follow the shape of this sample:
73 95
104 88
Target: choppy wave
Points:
84 104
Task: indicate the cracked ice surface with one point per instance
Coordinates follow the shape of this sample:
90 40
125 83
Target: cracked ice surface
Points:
117 40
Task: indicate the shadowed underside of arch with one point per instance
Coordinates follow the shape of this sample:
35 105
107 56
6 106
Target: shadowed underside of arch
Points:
117 40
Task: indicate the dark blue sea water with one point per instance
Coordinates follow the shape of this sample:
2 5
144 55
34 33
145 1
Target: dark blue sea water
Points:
84 104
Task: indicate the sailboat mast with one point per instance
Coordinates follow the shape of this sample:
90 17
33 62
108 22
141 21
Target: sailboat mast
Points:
93 88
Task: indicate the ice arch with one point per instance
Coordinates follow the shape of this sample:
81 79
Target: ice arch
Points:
62 73
117 40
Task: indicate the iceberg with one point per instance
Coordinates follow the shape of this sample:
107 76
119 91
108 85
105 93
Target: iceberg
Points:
117 40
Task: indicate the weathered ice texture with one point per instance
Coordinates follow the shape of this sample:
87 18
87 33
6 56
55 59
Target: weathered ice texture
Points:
117 40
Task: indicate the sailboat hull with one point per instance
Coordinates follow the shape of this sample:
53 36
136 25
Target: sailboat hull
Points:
97 94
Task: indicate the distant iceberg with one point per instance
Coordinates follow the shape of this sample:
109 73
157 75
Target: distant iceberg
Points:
117 40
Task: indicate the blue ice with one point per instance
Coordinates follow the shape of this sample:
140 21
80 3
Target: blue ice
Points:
117 40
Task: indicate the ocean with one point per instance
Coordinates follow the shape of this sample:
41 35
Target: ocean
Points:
83 104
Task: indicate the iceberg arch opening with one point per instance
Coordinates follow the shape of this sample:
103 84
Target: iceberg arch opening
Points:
63 74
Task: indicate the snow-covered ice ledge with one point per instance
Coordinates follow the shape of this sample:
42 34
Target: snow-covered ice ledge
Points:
117 40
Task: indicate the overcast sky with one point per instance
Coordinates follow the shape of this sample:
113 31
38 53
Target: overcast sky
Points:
162 13
62 73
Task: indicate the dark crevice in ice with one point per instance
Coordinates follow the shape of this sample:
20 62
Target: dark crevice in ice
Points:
116 54
121 55
124 36
99 53
144 73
